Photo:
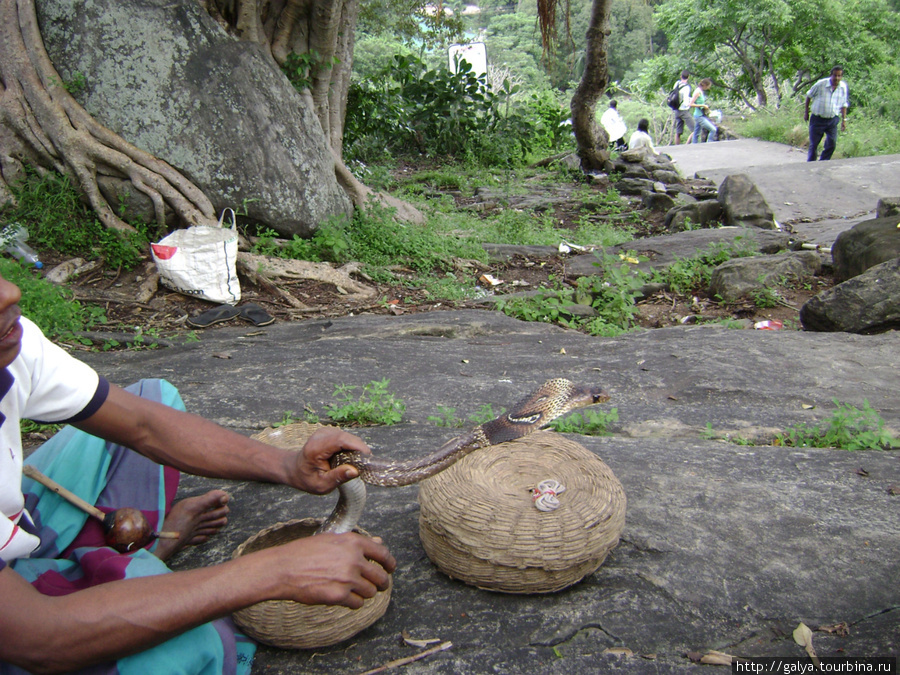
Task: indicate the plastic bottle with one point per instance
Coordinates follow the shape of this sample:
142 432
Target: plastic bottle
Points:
14 237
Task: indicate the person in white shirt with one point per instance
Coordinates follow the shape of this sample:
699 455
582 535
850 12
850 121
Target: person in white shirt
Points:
615 126
70 602
827 100
641 137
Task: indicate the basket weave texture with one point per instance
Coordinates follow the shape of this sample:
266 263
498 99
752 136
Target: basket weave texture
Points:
478 522
293 625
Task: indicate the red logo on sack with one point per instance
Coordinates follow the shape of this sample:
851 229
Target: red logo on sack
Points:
163 252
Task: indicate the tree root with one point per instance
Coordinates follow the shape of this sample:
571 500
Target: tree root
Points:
42 125
260 267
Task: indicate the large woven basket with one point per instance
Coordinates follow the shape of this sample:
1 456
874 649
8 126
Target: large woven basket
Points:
293 625
478 522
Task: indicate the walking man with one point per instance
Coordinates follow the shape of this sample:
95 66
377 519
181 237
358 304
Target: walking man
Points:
684 115
826 103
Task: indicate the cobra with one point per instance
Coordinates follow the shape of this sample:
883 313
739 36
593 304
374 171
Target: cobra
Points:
552 399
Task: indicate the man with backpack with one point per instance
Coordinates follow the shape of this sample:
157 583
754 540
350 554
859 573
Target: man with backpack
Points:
680 102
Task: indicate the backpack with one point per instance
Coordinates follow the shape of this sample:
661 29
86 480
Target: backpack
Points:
673 100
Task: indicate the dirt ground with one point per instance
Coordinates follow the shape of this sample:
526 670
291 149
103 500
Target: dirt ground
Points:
164 313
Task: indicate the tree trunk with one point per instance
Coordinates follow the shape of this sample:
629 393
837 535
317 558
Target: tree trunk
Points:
591 139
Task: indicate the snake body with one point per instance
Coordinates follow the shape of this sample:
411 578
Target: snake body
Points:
552 399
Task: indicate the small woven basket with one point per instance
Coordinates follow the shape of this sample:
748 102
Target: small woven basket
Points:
293 625
478 522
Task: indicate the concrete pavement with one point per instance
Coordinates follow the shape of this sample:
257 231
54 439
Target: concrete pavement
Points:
818 199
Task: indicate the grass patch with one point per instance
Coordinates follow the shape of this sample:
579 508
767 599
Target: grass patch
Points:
50 209
848 428
51 307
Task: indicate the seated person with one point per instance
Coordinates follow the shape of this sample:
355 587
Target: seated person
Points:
615 126
70 603
641 137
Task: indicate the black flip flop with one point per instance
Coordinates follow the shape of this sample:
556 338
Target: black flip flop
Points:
256 315
213 316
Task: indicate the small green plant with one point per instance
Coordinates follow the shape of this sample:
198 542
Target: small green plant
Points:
375 405
290 417
51 307
765 297
485 414
848 428
587 423
52 211
31 427
711 435
446 417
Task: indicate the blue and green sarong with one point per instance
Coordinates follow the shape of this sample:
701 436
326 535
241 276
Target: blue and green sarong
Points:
73 554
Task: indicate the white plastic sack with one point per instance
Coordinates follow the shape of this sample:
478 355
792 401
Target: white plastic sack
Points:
200 261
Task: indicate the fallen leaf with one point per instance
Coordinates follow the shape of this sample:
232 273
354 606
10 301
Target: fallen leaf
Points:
893 490
841 629
412 642
862 472
714 658
807 406
803 637
618 651
562 351
221 355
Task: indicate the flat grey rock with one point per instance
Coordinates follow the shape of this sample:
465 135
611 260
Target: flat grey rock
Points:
725 546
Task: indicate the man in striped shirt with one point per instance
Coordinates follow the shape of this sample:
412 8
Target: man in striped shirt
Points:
827 101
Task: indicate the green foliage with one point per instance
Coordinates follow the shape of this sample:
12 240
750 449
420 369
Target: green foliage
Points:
302 68
375 405
587 423
485 414
409 108
687 275
52 212
51 307
848 428
446 417
290 417
546 307
711 435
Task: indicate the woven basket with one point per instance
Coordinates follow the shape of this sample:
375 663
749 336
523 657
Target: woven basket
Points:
293 625
478 522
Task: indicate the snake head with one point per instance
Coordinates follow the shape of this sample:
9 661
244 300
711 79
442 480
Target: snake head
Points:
589 396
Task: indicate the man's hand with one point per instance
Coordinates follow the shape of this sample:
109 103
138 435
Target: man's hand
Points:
310 469
843 125
333 569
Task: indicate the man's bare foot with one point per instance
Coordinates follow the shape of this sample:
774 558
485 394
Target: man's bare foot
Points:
195 519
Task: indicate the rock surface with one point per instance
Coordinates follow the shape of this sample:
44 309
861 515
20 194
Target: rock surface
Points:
866 244
726 546
867 303
167 77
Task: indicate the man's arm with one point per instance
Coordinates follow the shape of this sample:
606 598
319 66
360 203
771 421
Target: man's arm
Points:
46 634
194 445
806 110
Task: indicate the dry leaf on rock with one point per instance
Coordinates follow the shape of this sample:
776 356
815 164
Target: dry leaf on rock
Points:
841 629
714 658
412 642
803 637
618 651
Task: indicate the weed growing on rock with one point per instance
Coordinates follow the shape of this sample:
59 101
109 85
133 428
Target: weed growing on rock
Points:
587 423
848 428
375 405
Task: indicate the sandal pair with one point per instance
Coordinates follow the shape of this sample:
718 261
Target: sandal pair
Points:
250 312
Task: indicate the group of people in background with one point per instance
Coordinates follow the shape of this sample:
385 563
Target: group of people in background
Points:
616 128
693 112
826 109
